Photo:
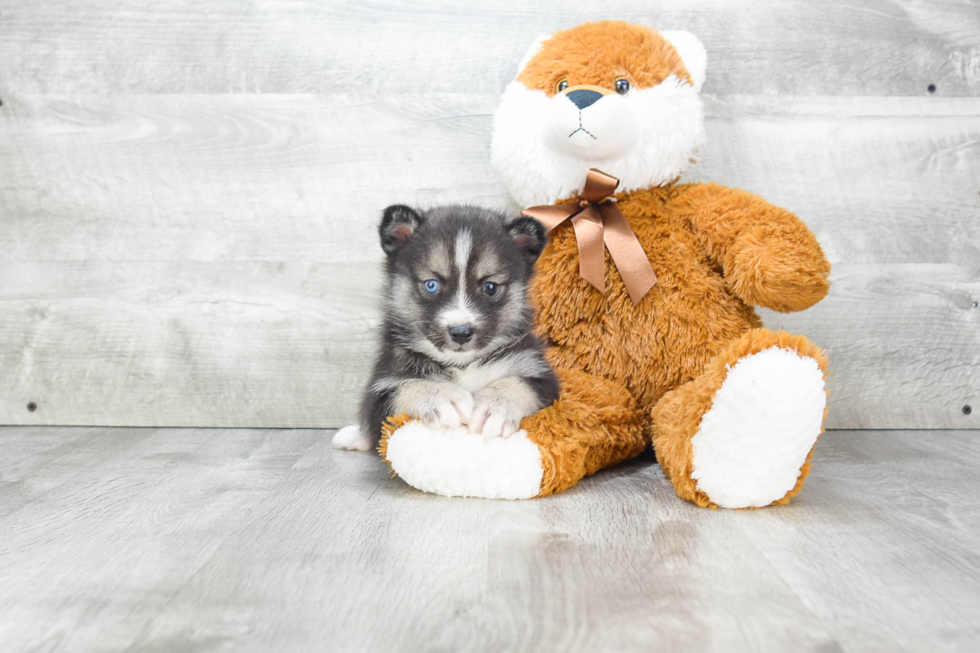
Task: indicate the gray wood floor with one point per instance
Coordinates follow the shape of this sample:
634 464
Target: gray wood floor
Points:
267 540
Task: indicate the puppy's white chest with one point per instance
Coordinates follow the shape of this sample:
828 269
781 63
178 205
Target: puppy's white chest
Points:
476 376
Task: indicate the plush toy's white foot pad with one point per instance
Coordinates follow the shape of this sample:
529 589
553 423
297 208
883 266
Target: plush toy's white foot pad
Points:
762 423
351 438
457 463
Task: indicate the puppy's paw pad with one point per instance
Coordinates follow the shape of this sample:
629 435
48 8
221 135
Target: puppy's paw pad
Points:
352 439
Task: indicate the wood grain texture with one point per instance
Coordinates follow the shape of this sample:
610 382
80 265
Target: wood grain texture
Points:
212 260
287 178
904 345
879 180
281 178
221 343
239 344
918 551
124 534
883 47
198 540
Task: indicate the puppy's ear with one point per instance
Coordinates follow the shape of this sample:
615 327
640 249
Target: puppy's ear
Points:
398 224
530 236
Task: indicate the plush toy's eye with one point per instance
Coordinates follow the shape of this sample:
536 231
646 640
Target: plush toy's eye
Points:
431 286
491 288
623 86
562 85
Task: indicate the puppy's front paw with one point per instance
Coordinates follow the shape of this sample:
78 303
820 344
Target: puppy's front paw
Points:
438 404
449 406
494 416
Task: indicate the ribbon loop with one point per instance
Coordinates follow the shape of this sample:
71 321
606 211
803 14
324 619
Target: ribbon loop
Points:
598 186
599 225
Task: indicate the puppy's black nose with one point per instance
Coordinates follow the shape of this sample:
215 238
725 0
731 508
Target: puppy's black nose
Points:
461 334
584 97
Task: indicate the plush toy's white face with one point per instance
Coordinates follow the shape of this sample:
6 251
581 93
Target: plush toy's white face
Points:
590 122
611 95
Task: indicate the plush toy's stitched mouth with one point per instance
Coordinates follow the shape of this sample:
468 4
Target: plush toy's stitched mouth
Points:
581 128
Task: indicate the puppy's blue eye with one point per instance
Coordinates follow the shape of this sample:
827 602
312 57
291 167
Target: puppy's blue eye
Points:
431 286
490 288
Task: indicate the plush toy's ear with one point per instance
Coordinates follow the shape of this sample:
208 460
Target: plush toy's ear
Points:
530 236
533 50
692 52
398 224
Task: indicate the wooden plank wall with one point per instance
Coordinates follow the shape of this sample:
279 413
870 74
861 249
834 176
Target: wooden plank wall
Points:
188 191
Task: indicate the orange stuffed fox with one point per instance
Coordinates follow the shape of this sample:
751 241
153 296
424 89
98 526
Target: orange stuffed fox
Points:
663 348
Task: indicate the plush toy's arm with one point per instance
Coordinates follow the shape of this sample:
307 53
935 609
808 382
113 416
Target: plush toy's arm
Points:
769 257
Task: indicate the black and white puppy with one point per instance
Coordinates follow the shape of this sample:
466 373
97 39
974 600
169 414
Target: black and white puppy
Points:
455 343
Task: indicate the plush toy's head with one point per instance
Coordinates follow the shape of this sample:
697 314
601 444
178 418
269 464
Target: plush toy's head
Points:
611 95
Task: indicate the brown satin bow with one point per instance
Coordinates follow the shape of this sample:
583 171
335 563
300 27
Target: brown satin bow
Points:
597 219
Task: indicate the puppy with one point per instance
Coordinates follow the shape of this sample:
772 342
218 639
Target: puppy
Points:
455 343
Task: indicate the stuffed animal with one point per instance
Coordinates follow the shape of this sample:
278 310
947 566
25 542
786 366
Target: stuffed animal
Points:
644 293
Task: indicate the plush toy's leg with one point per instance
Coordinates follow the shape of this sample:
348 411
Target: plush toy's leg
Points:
741 434
594 424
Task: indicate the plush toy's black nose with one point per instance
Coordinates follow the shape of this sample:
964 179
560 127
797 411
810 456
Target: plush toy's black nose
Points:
584 97
461 334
